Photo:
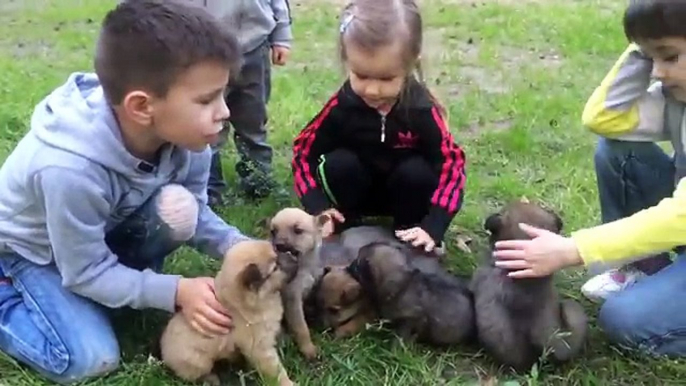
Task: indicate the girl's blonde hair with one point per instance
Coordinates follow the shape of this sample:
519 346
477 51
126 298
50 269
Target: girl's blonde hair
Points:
370 24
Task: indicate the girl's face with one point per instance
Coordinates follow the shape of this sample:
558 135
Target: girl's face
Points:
377 76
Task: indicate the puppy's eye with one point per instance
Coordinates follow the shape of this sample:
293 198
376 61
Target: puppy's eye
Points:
297 231
332 310
272 232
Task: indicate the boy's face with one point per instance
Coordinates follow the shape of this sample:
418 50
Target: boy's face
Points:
193 112
669 63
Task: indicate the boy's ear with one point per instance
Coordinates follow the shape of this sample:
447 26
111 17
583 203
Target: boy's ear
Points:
138 107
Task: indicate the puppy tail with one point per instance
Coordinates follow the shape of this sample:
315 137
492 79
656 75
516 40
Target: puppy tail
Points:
574 323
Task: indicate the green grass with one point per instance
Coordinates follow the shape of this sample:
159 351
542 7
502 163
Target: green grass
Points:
515 76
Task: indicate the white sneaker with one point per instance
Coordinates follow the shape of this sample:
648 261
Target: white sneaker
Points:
599 287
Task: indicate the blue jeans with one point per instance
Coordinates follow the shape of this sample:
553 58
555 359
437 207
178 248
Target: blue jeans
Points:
650 315
63 336
633 176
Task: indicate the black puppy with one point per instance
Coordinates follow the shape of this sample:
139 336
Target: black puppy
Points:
431 308
518 319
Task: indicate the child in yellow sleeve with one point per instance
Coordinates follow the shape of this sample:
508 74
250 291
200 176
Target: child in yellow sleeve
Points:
644 216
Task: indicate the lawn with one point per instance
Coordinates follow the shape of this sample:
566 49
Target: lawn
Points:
515 76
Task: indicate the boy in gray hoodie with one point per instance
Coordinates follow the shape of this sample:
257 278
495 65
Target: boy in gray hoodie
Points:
109 180
264 32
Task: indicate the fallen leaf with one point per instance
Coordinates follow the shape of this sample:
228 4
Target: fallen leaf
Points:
462 242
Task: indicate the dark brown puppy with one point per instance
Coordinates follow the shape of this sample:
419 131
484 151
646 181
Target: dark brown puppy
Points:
520 319
338 302
433 308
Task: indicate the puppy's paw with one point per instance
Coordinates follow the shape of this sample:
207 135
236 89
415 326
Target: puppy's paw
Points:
211 380
309 350
286 382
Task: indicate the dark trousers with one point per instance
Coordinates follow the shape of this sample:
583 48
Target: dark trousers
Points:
404 193
247 97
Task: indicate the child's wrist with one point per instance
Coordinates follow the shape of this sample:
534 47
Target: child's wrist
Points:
572 257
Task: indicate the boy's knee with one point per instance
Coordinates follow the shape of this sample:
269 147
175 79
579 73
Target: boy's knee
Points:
614 153
624 320
97 358
178 209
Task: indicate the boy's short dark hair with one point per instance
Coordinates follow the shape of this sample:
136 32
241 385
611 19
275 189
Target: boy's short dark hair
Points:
655 19
148 43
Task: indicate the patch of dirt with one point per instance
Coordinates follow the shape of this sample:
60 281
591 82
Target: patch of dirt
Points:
453 65
475 129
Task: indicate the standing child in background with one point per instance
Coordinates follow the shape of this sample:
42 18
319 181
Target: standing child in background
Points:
110 179
381 144
264 32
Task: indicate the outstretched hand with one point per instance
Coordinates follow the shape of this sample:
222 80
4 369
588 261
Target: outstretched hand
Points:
418 237
543 255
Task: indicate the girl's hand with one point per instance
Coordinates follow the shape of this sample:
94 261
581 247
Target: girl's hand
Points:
541 256
200 307
336 217
417 237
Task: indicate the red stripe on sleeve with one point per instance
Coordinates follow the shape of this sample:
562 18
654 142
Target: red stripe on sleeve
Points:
451 182
302 145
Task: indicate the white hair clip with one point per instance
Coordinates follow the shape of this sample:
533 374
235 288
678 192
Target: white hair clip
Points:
346 22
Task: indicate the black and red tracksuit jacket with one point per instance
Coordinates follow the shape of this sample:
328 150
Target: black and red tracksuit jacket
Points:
414 126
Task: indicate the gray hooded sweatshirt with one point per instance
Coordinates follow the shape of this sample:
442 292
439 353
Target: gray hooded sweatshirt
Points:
70 180
255 21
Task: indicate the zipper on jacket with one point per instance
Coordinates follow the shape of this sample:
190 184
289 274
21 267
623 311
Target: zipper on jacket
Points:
383 127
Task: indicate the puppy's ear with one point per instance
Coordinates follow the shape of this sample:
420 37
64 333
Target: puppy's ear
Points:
251 277
324 224
351 292
558 221
493 223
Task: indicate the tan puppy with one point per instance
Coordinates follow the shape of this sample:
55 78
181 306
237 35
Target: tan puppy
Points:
343 305
248 285
295 232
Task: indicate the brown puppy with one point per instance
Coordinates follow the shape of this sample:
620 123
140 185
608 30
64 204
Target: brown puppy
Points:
247 285
295 232
342 304
518 319
338 301
429 306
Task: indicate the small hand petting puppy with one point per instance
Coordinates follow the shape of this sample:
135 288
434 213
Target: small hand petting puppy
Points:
416 236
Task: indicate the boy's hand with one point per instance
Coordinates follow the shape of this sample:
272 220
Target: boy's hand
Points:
544 254
280 55
200 307
418 237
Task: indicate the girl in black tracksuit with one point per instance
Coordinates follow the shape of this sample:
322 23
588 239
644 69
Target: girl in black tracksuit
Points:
405 164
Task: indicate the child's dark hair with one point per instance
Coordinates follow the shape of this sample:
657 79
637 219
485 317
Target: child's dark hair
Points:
370 24
655 19
149 43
